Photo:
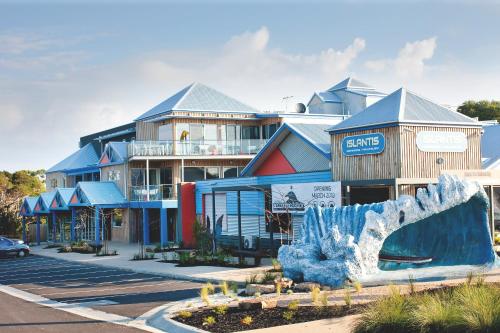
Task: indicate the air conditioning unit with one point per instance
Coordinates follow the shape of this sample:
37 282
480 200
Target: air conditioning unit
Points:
247 242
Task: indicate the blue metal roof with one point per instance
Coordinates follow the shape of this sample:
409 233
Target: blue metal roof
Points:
42 205
314 134
198 97
117 153
98 194
329 97
28 206
85 157
61 199
351 83
490 145
403 106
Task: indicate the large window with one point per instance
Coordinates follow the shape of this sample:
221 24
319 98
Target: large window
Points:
232 172
212 172
165 133
269 130
117 217
182 132
250 132
210 133
192 174
138 177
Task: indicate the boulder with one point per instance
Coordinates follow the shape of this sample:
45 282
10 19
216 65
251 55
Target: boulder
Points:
251 289
305 286
258 304
285 282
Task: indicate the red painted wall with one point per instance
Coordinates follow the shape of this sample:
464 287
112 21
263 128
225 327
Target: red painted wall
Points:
188 211
275 164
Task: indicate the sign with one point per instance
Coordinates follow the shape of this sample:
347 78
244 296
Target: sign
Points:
443 142
296 198
364 144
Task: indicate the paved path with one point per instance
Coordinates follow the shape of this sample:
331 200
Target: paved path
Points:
25 317
112 290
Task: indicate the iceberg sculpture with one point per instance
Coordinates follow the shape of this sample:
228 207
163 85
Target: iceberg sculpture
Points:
444 225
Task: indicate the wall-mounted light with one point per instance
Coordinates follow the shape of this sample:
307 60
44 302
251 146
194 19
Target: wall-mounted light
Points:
439 160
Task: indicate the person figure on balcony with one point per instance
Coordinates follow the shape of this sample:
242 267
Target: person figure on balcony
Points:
183 139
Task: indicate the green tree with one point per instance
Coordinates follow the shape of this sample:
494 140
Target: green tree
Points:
13 188
483 110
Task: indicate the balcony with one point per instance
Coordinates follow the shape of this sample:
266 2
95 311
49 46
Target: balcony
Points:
156 192
195 148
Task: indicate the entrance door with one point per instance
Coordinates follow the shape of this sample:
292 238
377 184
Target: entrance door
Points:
368 195
220 213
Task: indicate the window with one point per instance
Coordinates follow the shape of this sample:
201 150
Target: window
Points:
114 175
250 132
182 132
233 132
53 183
117 217
231 172
282 222
269 130
165 133
196 132
210 133
192 174
137 177
212 173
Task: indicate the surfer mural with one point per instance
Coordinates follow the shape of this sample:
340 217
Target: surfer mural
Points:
444 225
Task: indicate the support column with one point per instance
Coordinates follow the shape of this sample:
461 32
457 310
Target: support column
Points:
54 227
145 226
240 236
73 223
24 229
147 180
97 221
38 229
214 242
163 227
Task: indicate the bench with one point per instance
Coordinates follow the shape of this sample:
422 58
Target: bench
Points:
256 254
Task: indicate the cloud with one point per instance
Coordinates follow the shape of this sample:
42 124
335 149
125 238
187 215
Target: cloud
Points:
410 62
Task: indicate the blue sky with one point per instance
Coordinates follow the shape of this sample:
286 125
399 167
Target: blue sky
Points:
70 68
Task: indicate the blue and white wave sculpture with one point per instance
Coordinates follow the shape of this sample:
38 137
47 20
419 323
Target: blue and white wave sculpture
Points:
446 224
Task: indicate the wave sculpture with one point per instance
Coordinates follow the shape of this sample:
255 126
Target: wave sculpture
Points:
445 224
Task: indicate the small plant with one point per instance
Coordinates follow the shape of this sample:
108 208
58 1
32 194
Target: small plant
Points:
204 295
221 309
293 305
347 297
357 286
315 291
252 279
247 320
136 256
185 314
480 279
324 299
411 284
209 321
470 277
210 288
278 289
267 277
276 265
234 287
288 315
257 294
289 292
224 288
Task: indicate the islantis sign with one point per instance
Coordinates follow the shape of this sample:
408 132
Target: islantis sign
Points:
363 144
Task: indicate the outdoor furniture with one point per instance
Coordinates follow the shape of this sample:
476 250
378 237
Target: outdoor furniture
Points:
256 254
95 247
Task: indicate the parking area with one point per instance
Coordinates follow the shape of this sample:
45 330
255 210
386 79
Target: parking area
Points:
113 290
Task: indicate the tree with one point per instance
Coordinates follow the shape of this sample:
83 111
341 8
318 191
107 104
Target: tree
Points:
483 110
13 188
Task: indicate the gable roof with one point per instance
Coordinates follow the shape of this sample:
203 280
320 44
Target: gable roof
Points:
198 97
85 157
42 205
490 150
114 153
61 199
314 135
403 106
351 83
97 194
28 206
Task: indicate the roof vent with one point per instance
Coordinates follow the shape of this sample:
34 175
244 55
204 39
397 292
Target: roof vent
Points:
300 108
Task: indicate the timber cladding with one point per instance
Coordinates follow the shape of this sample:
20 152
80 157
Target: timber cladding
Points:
402 158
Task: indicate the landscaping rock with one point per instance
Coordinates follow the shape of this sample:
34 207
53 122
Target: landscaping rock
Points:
285 282
305 286
257 304
251 289
270 303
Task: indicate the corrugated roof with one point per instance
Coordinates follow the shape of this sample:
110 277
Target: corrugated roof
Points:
29 204
327 96
83 158
403 106
65 194
198 97
490 145
44 201
316 134
351 83
101 193
117 152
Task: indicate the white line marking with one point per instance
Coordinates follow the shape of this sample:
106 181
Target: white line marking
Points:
78 310
62 273
89 284
32 274
75 279
101 302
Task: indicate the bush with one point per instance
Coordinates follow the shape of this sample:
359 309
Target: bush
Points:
185 314
288 315
224 288
204 295
247 320
293 305
220 309
315 291
209 321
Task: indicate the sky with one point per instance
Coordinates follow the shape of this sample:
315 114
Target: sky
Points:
71 68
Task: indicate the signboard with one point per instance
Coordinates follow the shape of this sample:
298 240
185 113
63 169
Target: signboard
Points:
364 144
443 142
296 198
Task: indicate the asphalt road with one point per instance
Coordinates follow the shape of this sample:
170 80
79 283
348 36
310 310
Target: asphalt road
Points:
20 316
111 290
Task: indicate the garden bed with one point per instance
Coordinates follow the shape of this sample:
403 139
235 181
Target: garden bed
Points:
215 263
262 318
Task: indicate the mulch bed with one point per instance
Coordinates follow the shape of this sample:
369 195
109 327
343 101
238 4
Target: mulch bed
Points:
231 321
214 263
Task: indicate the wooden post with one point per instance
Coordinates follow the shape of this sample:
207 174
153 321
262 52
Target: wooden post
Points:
145 226
97 223
163 227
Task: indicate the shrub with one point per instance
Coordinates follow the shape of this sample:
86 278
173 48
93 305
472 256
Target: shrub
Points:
185 314
411 284
221 309
288 315
278 289
267 277
234 287
293 305
289 292
209 321
210 288
252 279
247 320
347 297
315 291
357 286
480 306
224 288
204 295
433 313
257 294
276 265
324 299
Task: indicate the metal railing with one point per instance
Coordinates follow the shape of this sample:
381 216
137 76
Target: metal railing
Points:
195 148
156 192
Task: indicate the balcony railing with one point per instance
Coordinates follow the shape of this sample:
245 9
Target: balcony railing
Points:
195 148
156 192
